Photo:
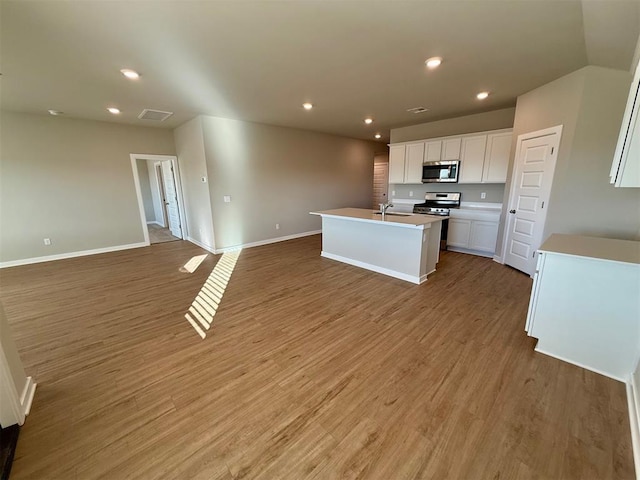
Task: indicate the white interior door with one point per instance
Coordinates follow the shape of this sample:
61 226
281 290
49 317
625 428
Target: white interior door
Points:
528 203
171 198
380 183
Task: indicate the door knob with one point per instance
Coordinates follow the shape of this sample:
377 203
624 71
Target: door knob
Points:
512 211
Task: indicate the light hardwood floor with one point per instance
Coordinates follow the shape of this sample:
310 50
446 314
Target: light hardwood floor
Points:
312 370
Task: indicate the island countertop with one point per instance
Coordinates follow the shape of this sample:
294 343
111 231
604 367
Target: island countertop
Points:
372 216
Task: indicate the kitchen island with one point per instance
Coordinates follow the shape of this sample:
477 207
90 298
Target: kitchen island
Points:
404 246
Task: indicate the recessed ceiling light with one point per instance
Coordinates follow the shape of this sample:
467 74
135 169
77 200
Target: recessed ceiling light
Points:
55 112
113 110
368 121
132 74
377 135
433 62
307 106
482 95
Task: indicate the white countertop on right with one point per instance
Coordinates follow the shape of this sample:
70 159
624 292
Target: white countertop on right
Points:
626 251
484 206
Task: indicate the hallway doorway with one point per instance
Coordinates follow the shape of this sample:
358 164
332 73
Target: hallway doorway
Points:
157 184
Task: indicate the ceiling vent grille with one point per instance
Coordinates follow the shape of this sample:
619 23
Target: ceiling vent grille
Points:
417 110
155 115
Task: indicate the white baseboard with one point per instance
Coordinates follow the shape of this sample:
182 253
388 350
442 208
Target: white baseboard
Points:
470 252
498 259
633 400
375 268
578 364
208 248
154 222
62 256
28 392
267 241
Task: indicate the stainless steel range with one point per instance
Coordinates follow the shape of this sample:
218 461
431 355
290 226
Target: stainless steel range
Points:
439 203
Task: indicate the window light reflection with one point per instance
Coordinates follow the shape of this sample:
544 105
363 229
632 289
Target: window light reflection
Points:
194 263
204 306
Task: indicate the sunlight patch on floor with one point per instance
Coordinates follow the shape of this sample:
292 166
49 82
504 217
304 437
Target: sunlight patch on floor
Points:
205 305
193 264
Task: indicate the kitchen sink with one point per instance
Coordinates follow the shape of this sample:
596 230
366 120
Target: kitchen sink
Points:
394 214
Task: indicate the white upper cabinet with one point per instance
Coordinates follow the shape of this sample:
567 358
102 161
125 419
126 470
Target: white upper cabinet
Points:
432 151
413 163
396 163
451 149
625 171
405 163
484 157
472 159
496 159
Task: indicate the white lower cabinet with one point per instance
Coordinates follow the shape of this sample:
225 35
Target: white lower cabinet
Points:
584 306
483 236
459 232
474 232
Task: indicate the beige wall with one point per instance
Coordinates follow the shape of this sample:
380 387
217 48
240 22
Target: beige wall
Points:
145 190
278 175
478 122
470 192
158 215
193 166
589 103
71 181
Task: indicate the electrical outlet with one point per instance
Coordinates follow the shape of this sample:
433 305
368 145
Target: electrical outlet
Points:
47 241
411 193
277 226
227 199
483 195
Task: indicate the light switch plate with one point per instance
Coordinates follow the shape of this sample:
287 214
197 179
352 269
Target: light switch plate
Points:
227 199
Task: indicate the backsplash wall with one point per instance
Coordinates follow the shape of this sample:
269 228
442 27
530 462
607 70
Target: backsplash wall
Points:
470 192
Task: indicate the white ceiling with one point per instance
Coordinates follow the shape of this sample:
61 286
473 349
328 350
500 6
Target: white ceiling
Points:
260 60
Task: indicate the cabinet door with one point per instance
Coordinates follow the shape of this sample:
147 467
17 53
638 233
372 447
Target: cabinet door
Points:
396 163
451 149
433 151
472 159
625 171
413 163
496 160
458 233
483 236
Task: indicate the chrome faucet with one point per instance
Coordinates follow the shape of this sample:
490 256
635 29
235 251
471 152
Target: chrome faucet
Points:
383 208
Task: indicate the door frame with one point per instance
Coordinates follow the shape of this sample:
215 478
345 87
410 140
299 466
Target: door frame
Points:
508 219
136 180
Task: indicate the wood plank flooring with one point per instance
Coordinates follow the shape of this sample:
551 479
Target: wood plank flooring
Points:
312 370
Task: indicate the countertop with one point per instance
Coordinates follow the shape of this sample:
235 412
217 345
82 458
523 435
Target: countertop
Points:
369 215
626 251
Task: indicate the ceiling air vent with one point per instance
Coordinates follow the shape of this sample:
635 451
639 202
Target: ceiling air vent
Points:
156 115
417 110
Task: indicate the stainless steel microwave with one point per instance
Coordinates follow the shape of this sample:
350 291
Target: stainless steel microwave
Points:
444 171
